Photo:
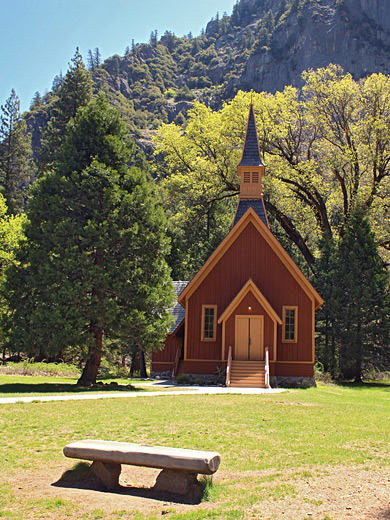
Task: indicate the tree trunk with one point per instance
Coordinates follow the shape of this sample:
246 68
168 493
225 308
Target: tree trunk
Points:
358 373
89 375
134 367
142 369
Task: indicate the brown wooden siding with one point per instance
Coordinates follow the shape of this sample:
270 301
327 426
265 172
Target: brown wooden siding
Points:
168 353
242 309
293 369
162 367
250 256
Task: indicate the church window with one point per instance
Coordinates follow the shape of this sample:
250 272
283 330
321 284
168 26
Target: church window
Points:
209 322
290 324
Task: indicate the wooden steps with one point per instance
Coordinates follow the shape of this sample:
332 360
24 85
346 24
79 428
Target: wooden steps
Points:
248 374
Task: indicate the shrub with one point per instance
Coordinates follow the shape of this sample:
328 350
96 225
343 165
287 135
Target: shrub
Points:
182 379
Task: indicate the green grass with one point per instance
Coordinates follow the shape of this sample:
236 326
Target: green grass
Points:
17 386
28 367
23 385
268 442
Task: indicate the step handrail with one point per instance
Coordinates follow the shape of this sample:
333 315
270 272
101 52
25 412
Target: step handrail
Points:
229 365
266 368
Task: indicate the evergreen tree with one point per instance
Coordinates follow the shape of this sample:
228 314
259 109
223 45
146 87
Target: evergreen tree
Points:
94 59
15 154
327 345
57 82
90 60
75 92
36 101
363 300
97 57
93 263
153 37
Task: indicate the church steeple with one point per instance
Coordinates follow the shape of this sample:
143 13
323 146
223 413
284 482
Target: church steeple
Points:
251 170
251 167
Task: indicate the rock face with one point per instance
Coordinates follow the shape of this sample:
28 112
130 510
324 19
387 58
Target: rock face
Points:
264 45
352 33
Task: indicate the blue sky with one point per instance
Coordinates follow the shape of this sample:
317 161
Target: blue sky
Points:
38 38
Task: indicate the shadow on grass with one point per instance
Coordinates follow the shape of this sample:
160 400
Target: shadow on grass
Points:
61 388
81 477
385 385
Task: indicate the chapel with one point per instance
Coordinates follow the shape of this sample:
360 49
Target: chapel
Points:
249 313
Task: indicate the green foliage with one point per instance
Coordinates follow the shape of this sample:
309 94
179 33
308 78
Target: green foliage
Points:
11 235
327 346
74 92
353 323
93 264
29 367
363 299
325 150
16 169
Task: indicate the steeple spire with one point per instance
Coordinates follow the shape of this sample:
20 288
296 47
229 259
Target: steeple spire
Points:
251 170
251 151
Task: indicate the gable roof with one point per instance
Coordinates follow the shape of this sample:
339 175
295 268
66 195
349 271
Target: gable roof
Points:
245 204
251 216
250 286
251 152
177 311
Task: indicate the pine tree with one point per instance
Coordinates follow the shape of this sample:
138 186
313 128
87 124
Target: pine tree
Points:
363 300
327 345
75 92
153 37
36 101
97 58
90 60
16 167
93 263
57 82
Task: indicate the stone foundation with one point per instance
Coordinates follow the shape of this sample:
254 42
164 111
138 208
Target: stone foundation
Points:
161 375
214 380
292 382
193 379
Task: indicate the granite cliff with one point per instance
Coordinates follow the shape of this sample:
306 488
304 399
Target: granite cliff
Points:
263 45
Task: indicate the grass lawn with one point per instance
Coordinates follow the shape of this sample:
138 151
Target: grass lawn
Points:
19 385
294 455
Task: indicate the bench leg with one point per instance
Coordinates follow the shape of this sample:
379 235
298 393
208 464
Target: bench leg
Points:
175 481
107 473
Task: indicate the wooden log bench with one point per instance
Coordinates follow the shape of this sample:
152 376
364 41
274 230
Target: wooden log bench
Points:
180 467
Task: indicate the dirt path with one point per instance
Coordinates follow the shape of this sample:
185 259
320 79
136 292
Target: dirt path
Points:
342 494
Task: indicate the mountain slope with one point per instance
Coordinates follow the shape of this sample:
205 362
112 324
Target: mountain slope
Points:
263 45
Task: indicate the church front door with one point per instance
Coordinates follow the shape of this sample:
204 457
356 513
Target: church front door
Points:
249 338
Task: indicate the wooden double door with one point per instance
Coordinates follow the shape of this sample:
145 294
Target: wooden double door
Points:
249 338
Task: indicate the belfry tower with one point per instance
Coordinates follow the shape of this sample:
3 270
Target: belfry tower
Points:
251 170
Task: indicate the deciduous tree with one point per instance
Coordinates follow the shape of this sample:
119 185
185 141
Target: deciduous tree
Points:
11 235
325 150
